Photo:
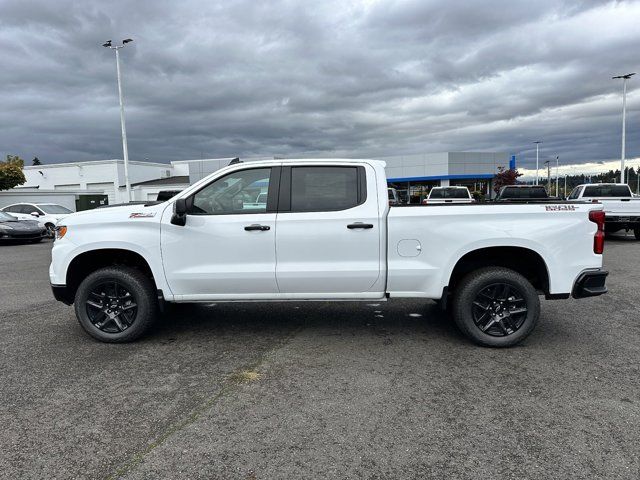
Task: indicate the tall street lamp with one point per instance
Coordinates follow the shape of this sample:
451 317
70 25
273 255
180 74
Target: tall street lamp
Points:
624 78
557 165
125 150
548 165
537 142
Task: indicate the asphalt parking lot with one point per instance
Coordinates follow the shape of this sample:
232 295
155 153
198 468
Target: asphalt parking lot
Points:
322 390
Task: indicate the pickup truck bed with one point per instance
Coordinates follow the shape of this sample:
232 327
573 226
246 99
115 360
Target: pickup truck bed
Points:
326 232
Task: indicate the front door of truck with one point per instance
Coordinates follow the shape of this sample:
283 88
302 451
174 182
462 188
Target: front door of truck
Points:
226 249
328 231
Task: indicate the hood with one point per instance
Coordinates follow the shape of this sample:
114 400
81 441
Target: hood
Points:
116 213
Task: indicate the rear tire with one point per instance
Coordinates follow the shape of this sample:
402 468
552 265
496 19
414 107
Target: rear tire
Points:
116 304
636 232
496 307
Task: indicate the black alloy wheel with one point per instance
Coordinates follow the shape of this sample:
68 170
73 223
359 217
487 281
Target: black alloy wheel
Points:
116 304
499 310
495 306
111 307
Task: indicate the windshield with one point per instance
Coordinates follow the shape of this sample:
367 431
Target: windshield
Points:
54 209
5 217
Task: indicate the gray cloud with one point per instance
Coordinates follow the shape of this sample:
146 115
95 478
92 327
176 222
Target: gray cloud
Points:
362 78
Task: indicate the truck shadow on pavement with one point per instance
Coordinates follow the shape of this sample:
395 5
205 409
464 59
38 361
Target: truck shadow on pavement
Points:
385 319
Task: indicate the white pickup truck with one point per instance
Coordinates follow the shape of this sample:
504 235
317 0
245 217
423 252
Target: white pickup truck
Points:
621 208
326 232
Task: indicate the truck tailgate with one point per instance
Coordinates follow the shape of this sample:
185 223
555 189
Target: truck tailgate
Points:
625 207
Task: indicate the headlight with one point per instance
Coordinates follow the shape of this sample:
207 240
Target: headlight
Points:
61 231
5 227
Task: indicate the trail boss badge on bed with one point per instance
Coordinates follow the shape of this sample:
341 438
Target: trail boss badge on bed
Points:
560 208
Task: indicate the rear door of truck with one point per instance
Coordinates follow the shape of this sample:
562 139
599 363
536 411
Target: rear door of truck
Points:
328 230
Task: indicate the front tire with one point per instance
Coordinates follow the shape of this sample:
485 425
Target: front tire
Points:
116 304
636 232
51 230
496 307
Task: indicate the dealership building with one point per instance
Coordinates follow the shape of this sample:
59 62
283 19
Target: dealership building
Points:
412 175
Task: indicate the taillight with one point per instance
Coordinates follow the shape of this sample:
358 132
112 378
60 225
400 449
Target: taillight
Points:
597 217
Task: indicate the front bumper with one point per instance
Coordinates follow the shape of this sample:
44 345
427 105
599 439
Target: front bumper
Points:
62 294
590 284
22 236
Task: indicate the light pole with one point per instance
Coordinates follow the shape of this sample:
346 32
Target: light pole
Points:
557 164
537 142
624 119
548 164
125 150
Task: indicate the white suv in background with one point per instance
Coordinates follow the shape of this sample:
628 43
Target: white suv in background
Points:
46 213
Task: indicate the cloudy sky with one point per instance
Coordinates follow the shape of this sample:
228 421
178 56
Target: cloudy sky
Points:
331 78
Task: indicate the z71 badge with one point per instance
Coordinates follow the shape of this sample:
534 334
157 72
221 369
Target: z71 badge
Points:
560 208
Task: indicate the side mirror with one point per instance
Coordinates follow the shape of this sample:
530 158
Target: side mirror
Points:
35 214
179 212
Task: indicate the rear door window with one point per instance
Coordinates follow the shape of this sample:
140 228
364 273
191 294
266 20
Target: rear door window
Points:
325 188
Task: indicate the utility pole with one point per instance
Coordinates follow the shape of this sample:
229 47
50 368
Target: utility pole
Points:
537 142
125 149
624 78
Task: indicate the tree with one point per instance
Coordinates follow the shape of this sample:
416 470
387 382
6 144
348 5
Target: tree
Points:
11 172
36 161
505 177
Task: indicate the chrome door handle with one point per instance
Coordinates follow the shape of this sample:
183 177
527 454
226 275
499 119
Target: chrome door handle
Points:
262 228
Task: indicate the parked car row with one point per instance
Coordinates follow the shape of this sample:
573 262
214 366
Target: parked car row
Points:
12 229
30 221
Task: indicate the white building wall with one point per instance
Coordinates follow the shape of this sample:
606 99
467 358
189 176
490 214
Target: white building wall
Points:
418 165
105 176
66 199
